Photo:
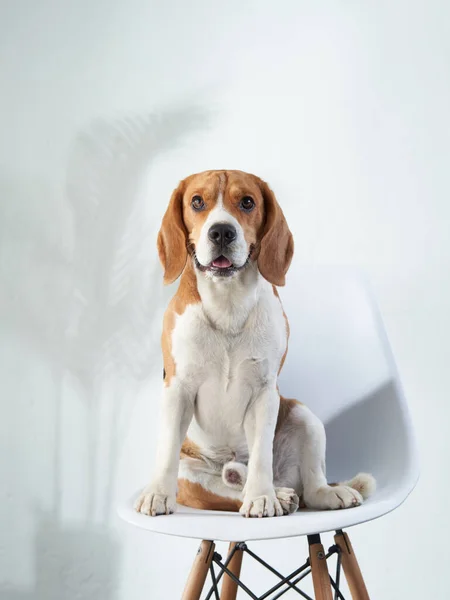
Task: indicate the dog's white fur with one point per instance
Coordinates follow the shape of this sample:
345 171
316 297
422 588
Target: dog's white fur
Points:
228 349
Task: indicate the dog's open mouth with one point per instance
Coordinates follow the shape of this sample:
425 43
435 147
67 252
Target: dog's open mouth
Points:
221 266
221 262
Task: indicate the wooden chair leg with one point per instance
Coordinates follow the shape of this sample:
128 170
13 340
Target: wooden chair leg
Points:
199 571
351 568
319 569
229 587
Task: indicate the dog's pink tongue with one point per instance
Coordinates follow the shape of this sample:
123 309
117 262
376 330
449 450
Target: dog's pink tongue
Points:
221 263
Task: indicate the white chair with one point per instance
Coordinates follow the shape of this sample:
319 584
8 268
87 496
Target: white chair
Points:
340 364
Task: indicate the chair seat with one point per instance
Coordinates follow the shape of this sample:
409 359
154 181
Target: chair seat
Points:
226 526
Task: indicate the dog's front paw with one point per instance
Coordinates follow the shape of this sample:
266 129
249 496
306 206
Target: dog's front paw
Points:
288 499
265 505
153 502
333 497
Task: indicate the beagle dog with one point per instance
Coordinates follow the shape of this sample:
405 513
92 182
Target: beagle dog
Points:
228 439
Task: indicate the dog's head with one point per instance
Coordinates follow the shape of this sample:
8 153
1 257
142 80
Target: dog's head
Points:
225 220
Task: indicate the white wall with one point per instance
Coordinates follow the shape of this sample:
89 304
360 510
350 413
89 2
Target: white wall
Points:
343 107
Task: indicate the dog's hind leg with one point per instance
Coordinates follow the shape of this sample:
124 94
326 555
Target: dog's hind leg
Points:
201 486
299 457
234 474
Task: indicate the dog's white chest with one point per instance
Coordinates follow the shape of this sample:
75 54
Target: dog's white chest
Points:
227 370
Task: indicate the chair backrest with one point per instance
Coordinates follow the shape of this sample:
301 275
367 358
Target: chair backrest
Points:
340 365
337 348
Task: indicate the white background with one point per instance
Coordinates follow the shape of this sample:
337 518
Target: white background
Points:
105 105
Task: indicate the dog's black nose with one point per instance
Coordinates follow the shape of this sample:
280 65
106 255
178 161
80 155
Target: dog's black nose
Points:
222 234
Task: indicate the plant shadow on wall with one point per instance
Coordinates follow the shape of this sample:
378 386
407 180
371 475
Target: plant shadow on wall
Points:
96 328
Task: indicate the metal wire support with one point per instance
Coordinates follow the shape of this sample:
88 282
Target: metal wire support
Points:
286 583
214 582
227 562
337 593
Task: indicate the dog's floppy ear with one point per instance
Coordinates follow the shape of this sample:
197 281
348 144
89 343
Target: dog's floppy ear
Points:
172 238
277 243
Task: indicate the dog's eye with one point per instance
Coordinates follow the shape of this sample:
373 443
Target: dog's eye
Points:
247 203
197 203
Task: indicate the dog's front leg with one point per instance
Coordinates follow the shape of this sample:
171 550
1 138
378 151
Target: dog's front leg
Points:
259 494
159 497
